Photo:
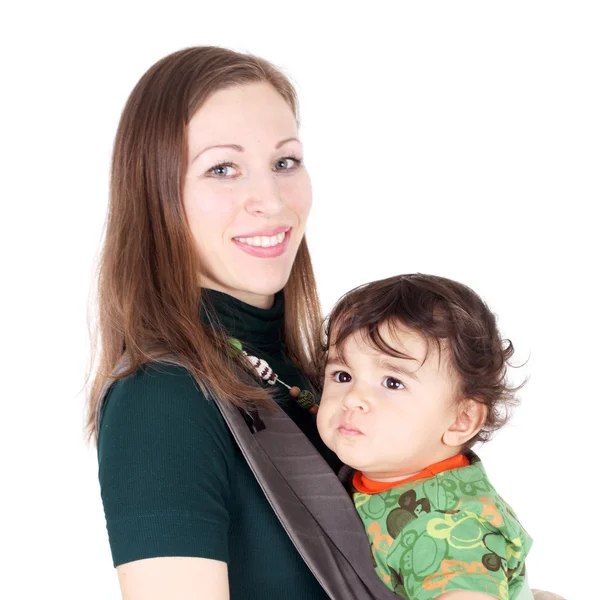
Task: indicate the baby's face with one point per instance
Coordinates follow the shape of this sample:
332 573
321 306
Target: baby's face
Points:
387 416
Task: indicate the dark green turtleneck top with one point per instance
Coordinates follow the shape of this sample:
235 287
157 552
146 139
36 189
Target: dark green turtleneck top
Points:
174 482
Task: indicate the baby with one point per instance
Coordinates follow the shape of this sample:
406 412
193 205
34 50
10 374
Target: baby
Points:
415 375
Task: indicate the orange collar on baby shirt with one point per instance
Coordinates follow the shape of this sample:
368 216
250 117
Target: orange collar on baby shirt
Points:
367 486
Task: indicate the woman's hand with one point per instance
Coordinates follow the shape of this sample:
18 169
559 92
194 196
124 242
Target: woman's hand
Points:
174 578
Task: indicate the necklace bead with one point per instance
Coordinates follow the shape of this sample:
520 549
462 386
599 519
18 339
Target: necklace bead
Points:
304 398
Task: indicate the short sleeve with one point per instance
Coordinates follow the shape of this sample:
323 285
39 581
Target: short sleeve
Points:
164 456
440 552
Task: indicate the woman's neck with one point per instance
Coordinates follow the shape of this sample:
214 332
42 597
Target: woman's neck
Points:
256 300
242 320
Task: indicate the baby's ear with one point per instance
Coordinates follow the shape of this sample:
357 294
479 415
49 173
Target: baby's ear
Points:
470 417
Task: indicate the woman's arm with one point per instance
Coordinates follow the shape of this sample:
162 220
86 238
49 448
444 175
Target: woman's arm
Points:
174 578
164 461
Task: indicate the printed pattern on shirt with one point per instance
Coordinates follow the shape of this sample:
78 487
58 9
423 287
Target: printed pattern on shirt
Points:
451 531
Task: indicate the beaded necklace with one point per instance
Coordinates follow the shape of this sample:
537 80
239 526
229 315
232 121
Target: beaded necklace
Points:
304 398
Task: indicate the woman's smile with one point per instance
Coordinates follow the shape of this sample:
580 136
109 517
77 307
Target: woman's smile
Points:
265 244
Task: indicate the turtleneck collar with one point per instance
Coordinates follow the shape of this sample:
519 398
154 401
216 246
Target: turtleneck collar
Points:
252 325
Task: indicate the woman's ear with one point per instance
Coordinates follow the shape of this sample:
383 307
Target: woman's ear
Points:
470 417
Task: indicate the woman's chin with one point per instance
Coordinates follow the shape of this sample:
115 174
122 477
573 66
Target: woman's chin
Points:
266 286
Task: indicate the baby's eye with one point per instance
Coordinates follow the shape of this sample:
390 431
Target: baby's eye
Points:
341 377
391 383
287 164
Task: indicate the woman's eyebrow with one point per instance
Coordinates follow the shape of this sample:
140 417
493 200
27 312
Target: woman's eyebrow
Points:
291 139
239 148
235 147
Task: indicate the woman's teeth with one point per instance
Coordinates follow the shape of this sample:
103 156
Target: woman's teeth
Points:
262 241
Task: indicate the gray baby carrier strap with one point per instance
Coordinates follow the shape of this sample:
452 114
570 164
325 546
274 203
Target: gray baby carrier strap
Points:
308 498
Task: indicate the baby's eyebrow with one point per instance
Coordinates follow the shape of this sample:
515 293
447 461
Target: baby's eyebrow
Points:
336 361
396 368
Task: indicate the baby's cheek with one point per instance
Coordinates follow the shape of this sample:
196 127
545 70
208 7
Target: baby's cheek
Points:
324 419
322 416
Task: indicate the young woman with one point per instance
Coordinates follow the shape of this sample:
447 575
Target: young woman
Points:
204 242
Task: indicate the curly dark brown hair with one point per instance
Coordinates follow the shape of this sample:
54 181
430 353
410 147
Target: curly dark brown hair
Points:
443 311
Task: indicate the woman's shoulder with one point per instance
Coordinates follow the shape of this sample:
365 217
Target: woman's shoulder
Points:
155 376
162 397
156 382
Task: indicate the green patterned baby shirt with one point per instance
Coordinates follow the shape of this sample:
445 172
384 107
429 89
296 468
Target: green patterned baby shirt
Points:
451 531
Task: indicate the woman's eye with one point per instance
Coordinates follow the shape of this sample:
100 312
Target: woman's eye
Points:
341 377
287 164
223 170
391 383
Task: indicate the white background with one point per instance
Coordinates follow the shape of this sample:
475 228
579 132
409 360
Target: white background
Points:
454 138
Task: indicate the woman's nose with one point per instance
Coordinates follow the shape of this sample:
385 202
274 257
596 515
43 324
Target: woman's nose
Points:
264 196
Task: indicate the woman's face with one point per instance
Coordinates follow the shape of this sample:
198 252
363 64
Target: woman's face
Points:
246 193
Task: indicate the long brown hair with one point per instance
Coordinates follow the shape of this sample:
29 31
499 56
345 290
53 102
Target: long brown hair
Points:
147 290
441 310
